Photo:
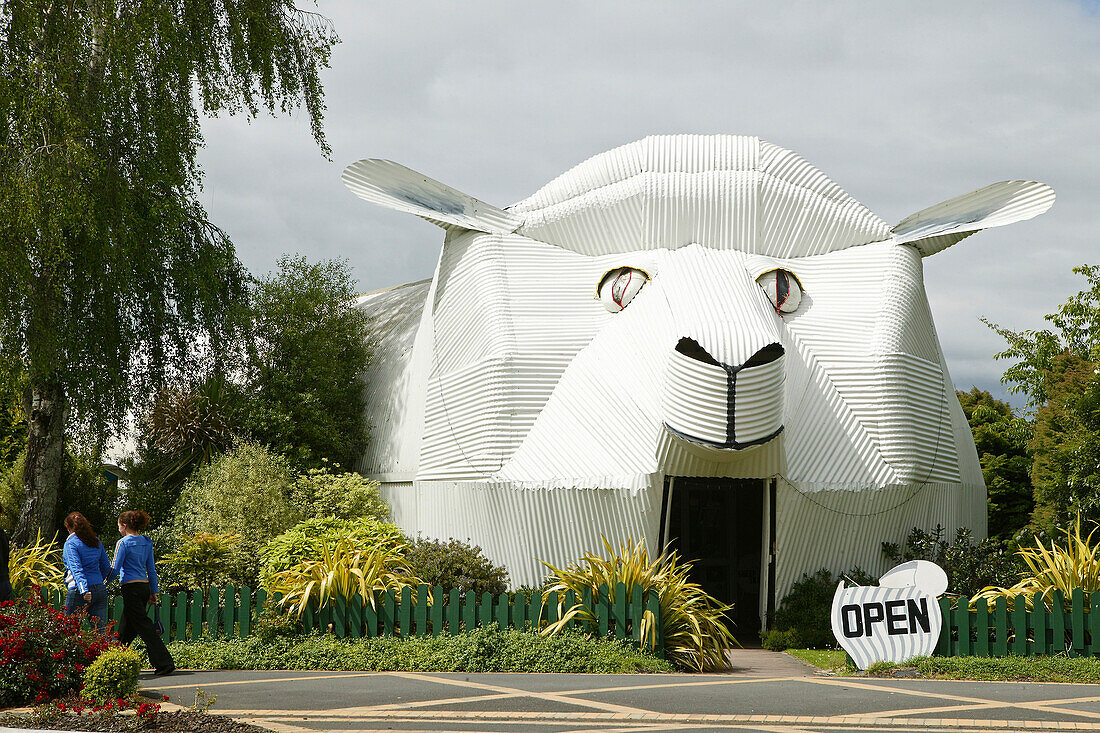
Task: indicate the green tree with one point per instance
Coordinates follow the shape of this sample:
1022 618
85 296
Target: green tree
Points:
110 272
1057 369
1066 446
1001 438
306 371
1076 331
84 488
13 421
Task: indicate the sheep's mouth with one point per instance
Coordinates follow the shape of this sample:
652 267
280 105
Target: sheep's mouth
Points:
721 406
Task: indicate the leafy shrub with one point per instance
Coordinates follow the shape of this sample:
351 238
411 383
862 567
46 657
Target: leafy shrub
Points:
1073 565
249 492
693 622
778 641
487 649
36 565
456 564
304 541
340 571
43 652
274 624
969 566
806 607
113 675
342 495
204 559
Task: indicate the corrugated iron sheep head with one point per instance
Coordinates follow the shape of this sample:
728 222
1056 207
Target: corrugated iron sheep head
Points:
686 298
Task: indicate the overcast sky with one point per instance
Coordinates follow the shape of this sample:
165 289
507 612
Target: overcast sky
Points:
902 104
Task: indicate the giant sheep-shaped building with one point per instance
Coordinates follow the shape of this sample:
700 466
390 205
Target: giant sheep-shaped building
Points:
691 339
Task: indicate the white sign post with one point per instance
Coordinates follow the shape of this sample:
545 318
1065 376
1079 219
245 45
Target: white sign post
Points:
893 622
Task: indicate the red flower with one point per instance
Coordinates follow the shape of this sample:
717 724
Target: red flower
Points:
166 698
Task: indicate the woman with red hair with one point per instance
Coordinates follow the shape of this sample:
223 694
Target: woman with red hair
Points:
86 560
138 574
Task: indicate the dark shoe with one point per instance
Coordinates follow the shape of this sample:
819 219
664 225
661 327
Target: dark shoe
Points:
164 672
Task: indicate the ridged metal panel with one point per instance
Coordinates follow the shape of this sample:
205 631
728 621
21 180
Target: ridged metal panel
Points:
936 228
722 191
394 186
394 316
518 527
697 398
840 530
758 401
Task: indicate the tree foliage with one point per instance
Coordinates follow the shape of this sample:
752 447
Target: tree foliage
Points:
306 371
1057 369
1001 438
84 488
1066 446
1076 331
110 271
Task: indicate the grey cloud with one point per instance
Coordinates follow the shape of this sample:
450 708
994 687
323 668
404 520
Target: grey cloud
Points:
903 105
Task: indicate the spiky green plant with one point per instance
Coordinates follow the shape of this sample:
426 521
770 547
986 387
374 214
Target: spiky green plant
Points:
37 564
187 427
692 622
1059 567
341 570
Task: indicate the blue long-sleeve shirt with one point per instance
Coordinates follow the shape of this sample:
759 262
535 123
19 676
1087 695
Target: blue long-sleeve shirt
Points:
134 560
89 565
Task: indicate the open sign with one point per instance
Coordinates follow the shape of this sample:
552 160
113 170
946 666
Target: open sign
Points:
890 624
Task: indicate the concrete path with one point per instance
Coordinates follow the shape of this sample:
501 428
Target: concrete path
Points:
770 692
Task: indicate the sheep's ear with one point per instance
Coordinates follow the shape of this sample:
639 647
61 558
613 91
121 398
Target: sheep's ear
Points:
394 186
938 227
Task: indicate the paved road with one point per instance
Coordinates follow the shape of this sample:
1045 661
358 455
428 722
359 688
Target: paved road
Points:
768 693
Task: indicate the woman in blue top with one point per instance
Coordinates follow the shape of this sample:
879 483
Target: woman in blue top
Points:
87 563
138 575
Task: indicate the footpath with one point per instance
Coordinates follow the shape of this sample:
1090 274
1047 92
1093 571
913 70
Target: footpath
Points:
765 692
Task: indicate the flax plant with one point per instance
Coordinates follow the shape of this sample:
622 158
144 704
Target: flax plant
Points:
1074 565
38 564
341 570
692 622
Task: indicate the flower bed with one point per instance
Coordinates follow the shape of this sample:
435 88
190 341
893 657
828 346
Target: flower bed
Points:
43 652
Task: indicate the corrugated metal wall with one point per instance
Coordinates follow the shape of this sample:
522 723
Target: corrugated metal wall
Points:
534 420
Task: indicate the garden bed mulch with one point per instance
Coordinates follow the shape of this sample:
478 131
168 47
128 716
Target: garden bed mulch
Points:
178 721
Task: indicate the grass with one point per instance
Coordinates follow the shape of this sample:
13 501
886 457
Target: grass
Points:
484 650
830 659
1058 668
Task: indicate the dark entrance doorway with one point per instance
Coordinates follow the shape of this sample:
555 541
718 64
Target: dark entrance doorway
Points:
719 524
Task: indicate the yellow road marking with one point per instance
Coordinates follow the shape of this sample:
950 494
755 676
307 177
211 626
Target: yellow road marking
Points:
563 693
262 682
548 696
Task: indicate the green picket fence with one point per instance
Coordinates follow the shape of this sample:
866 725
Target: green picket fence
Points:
998 630
230 613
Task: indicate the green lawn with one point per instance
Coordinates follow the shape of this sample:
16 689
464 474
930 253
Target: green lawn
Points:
1057 668
832 659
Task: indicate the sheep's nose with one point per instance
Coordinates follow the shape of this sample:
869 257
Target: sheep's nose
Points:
722 405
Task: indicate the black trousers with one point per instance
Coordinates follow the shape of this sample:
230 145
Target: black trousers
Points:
136 622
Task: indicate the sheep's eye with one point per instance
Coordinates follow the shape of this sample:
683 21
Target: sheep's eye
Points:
782 289
619 286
